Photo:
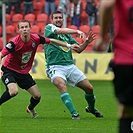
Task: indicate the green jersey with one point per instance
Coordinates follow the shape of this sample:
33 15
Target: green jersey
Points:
58 55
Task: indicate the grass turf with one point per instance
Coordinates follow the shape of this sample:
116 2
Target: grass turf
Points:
53 115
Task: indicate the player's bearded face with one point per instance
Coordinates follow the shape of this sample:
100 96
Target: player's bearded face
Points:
57 20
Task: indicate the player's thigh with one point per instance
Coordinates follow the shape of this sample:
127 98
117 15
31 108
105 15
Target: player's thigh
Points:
10 82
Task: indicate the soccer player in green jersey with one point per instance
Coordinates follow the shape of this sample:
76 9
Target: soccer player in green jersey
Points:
60 66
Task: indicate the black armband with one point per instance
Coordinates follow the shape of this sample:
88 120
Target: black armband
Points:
42 39
10 46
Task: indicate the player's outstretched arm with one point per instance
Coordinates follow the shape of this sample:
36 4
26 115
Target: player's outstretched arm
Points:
71 31
60 43
87 41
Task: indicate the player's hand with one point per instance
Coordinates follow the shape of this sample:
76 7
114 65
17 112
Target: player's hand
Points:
91 37
75 47
82 35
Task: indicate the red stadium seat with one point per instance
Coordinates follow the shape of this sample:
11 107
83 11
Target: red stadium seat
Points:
10 31
85 29
35 29
42 20
79 40
38 8
16 18
8 19
96 29
84 18
42 31
30 17
73 27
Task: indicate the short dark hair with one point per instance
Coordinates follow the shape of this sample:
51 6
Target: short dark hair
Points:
24 20
56 12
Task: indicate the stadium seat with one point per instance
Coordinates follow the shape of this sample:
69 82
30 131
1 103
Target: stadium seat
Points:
1 43
85 29
42 31
79 40
30 17
8 19
10 31
42 20
57 2
16 18
10 39
84 4
38 8
96 29
35 29
84 18
73 27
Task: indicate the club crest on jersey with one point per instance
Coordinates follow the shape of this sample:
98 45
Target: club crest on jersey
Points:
33 44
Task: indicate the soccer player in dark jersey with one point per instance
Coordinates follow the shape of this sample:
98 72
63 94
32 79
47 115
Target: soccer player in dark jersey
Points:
61 69
20 54
122 62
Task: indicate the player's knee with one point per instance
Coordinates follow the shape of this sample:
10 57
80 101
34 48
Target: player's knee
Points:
13 92
37 96
90 87
60 85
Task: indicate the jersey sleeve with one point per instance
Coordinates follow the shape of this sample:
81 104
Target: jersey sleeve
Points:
9 48
44 40
50 31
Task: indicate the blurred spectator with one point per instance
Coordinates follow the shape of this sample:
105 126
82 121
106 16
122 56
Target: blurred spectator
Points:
64 7
28 6
50 7
15 4
76 8
91 10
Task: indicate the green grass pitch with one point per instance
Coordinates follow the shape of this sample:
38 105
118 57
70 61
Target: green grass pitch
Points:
53 115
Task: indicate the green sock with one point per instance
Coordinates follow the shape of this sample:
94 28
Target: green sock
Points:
68 102
90 98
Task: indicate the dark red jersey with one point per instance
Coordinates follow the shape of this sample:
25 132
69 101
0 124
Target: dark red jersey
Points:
20 55
123 26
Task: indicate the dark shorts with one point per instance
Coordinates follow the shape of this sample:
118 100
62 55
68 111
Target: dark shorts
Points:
123 83
24 81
